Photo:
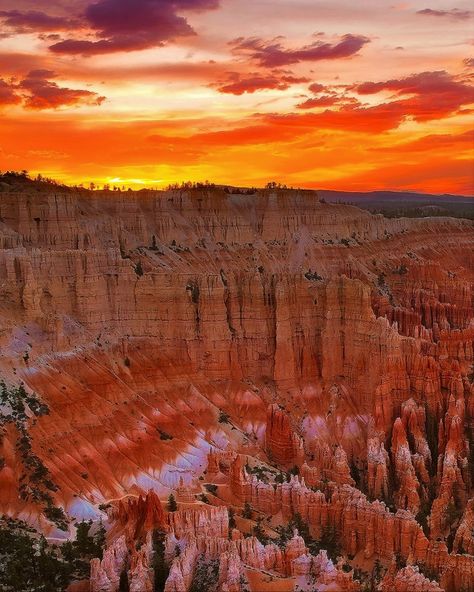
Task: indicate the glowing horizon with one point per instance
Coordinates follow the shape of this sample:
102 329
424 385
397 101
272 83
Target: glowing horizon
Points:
321 95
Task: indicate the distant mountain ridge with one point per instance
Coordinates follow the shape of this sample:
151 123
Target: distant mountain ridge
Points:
331 196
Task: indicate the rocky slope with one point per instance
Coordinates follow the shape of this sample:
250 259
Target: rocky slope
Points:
302 358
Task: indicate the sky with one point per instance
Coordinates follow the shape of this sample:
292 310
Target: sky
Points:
333 94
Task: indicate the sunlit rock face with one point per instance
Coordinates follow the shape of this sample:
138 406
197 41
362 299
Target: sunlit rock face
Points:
302 357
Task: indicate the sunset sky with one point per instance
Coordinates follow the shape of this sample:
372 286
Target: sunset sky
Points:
332 94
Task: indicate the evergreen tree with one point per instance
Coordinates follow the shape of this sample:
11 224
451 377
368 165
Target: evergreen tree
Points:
330 541
247 512
123 583
160 567
259 532
139 269
302 527
205 576
172 505
232 523
28 563
99 540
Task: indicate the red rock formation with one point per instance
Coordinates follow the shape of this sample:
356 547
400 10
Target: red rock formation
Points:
136 516
270 325
328 576
328 463
181 571
105 573
184 493
140 573
360 524
230 572
377 468
408 579
208 521
406 496
452 469
464 540
282 444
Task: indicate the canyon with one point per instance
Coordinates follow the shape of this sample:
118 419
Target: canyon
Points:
297 374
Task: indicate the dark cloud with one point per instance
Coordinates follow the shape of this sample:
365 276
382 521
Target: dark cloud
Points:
468 62
39 92
237 84
8 95
41 73
435 94
129 25
316 87
454 13
34 20
421 97
329 98
273 55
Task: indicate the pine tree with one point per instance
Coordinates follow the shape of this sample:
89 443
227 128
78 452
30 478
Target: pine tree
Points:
99 540
247 513
139 269
330 542
232 523
172 505
302 527
123 582
160 568
259 532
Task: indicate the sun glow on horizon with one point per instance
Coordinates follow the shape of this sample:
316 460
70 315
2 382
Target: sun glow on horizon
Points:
309 93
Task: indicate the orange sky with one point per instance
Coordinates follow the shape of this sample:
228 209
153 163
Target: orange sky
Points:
337 94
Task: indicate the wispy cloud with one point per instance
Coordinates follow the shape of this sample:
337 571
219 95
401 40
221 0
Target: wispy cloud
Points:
272 54
37 91
238 84
455 13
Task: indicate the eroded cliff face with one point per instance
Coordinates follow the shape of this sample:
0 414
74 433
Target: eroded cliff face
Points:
189 338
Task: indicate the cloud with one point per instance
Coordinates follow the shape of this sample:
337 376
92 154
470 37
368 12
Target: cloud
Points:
130 25
248 135
435 94
441 143
8 95
237 84
273 55
454 13
34 20
468 62
327 101
41 93
349 118
316 87
330 98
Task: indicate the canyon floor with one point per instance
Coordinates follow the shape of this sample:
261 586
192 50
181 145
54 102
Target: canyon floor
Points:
297 375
